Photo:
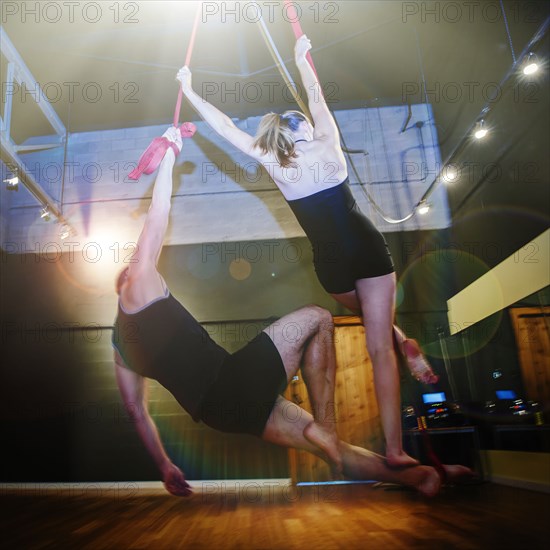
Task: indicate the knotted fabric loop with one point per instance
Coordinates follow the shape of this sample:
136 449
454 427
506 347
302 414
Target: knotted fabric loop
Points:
153 155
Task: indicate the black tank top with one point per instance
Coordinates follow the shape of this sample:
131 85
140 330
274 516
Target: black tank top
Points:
164 341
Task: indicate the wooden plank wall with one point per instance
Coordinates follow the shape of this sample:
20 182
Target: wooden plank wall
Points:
357 412
532 330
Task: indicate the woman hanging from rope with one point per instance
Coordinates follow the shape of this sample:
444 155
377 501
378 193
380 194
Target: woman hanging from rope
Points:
351 258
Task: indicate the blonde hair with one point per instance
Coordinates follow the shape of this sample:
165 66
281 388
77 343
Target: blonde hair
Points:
275 135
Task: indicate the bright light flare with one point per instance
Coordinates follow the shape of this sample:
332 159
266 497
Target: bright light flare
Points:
424 208
531 68
450 173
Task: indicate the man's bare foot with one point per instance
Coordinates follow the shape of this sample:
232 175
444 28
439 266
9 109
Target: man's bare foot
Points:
401 460
417 364
328 442
429 482
424 479
456 472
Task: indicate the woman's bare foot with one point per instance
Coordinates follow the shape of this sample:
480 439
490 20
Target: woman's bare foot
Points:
417 364
401 460
328 442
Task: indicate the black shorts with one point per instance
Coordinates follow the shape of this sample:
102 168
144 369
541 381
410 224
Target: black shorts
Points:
243 396
359 253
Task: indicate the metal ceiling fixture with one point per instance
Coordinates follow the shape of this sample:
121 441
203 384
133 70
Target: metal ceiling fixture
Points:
17 73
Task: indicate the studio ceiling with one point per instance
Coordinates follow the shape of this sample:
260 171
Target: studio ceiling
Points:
454 55
112 65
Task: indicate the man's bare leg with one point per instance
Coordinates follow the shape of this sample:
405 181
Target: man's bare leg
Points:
308 334
319 372
286 426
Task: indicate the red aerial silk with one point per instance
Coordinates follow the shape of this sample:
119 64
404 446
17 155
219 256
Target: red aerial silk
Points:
150 159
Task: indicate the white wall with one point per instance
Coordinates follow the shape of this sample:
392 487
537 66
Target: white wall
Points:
219 194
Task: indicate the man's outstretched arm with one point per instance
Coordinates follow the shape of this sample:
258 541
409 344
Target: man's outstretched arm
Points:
151 239
133 389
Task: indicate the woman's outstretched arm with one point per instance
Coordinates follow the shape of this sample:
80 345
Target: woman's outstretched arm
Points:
325 126
219 121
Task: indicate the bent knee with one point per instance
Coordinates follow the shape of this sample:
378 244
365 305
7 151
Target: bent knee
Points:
320 319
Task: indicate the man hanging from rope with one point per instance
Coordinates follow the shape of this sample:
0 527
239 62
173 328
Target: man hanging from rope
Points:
156 337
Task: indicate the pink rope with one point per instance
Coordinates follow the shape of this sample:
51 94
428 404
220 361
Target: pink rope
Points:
152 156
430 453
297 28
187 62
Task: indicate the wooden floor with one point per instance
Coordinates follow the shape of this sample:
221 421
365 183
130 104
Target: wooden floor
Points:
259 516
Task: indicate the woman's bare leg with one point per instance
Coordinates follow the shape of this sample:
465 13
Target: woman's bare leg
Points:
409 349
376 300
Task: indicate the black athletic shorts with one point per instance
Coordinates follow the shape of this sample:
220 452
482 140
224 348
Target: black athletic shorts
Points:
363 254
243 396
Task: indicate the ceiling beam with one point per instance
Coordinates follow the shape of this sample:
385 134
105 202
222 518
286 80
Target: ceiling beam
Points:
23 75
18 71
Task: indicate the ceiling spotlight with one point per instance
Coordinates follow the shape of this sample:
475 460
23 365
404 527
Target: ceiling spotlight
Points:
531 64
450 173
12 183
423 207
481 131
45 214
65 231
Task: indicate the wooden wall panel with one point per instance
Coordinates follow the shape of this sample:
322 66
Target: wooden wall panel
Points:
356 407
532 330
